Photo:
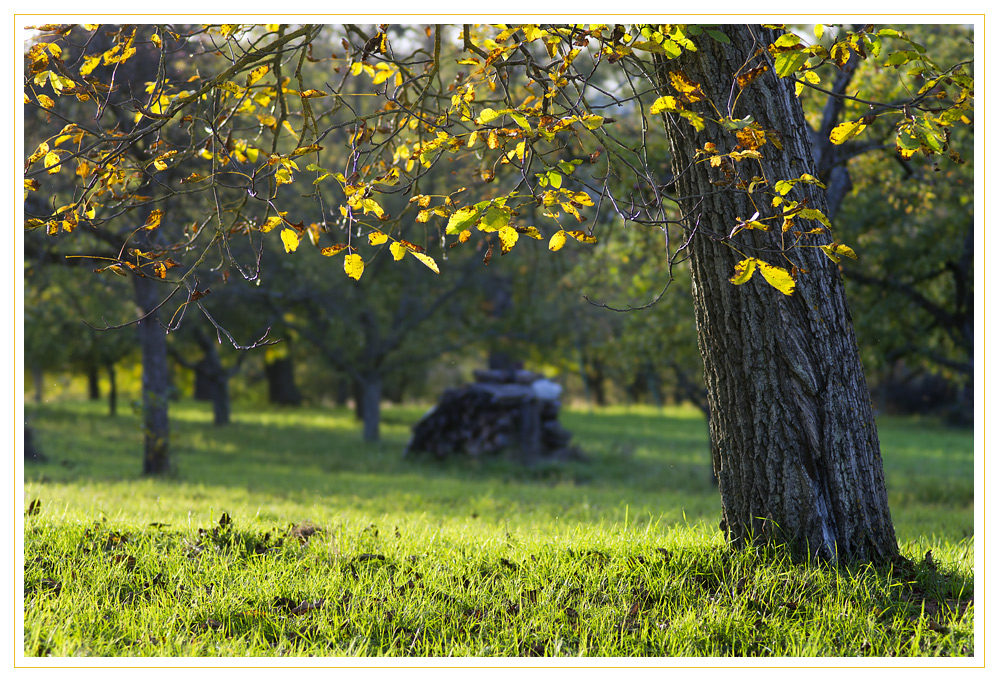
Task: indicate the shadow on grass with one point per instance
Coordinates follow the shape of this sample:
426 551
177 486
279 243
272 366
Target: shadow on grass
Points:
283 452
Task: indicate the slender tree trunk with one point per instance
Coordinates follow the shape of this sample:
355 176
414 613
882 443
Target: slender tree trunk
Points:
155 380
212 379
794 442
112 390
371 404
93 382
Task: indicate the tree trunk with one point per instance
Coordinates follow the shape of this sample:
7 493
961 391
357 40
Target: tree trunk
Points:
155 379
112 390
653 383
211 379
794 441
31 451
93 382
370 403
281 387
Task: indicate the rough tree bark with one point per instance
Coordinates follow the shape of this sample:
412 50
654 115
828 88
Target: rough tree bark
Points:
793 434
155 379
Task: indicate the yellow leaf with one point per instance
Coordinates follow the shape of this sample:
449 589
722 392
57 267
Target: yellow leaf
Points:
42 150
314 231
557 241
376 237
89 64
690 90
52 162
153 221
257 74
308 149
487 115
581 236
665 103
778 278
845 131
270 224
835 251
427 261
508 238
744 269
398 251
290 239
745 79
354 266
334 250
312 92
383 73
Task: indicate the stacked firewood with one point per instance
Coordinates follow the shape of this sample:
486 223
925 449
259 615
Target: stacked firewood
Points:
503 410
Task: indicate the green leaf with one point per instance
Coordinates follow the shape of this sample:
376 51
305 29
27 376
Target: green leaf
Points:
463 218
718 36
787 63
783 187
521 120
495 218
694 119
787 40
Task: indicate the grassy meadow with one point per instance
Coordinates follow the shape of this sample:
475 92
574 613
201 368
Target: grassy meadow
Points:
284 534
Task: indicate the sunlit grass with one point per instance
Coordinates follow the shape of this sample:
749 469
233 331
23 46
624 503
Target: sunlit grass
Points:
285 534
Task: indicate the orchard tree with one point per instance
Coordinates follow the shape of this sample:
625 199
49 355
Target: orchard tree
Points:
355 117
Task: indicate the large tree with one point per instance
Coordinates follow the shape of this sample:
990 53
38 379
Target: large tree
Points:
794 440
537 114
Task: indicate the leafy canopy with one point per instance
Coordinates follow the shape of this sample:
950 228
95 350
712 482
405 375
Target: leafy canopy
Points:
536 123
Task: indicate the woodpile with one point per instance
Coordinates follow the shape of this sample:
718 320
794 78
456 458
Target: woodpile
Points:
502 410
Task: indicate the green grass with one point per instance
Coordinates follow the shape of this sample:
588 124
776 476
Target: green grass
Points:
284 534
